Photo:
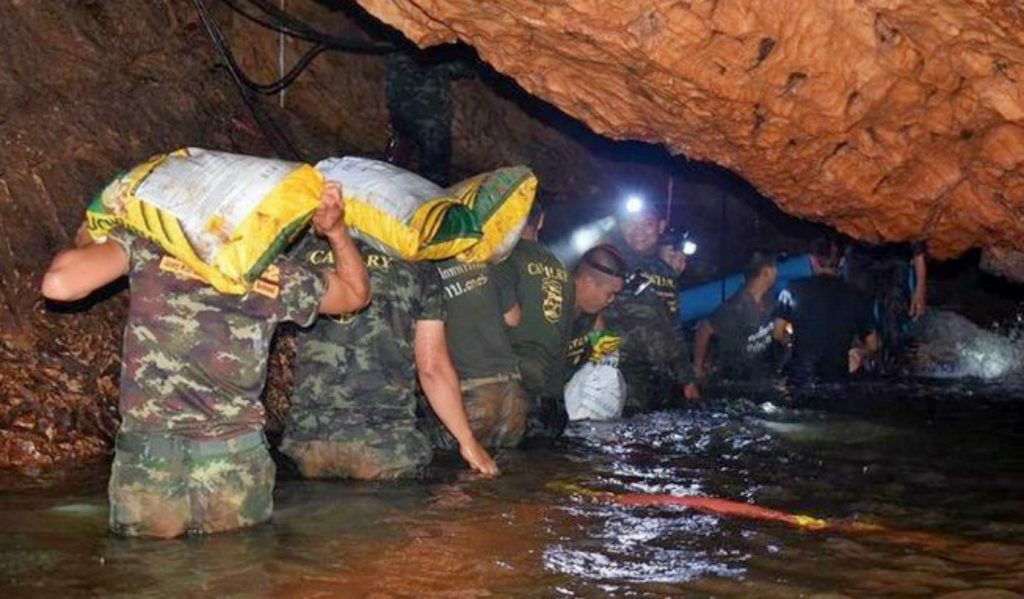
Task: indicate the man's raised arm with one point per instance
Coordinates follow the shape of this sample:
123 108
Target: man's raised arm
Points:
77 272
348 285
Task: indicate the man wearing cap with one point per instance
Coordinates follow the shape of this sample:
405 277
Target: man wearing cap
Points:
654 358
742 327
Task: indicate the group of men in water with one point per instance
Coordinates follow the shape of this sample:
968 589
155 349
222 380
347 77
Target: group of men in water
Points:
397 360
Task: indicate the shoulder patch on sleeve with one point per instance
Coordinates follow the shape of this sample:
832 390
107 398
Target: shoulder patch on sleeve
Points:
267 289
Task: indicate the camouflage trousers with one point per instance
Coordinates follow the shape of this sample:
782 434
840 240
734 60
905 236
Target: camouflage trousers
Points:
495 407
167 485
377 451
647 388
496 411
546 416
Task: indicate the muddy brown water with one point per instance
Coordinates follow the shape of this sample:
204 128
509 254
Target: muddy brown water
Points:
941 467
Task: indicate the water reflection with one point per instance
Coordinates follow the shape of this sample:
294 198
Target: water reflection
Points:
942 466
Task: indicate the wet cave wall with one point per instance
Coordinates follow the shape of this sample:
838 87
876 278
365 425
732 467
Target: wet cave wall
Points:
88 88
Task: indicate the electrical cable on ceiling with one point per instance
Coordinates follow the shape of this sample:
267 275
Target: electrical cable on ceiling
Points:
221 45
275 136
277 20
280 21
280 60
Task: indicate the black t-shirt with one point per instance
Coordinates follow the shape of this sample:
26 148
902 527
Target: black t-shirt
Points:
827 315
743 328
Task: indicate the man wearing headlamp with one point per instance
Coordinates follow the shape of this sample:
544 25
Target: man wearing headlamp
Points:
654 357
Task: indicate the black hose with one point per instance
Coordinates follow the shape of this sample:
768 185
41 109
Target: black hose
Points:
217 37
277 27
282 22
282 145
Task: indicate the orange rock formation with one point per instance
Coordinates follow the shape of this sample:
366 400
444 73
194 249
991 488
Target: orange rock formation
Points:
888 119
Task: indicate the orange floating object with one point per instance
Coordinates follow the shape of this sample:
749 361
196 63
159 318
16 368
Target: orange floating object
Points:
738 509
722 507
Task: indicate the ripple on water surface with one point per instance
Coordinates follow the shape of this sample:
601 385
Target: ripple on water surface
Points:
941 467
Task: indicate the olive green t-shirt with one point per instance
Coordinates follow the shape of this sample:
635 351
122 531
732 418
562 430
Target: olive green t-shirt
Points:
538 281
477 339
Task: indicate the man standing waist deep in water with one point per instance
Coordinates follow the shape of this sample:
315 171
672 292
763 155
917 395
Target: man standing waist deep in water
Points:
190 455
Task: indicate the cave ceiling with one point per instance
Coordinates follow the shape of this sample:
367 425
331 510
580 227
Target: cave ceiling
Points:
886 119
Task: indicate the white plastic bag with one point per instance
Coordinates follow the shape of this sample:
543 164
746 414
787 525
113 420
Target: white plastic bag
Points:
597 391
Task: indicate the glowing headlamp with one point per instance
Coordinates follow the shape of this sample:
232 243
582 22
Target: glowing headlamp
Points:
634 204
680 242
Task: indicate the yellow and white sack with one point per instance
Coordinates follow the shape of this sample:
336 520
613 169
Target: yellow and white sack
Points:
501 200
400 213
597 391
226 216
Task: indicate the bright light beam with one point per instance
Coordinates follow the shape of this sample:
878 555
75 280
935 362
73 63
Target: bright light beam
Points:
634 204
585 238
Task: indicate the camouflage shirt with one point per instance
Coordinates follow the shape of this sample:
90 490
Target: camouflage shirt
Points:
663 280
357 370
194 360
538 282
654 354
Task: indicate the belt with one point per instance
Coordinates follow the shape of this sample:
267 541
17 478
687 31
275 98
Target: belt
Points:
468 384
162 444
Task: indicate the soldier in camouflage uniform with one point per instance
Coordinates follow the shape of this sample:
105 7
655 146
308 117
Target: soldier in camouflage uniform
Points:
419 92
353 411
654 360
190 454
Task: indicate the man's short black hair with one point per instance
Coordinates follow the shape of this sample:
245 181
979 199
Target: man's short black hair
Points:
758 262
603 259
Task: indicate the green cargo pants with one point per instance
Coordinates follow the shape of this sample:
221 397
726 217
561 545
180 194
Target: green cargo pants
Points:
166 485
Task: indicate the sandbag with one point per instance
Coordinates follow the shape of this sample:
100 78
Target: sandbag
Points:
597 391
226 216
501 200
400 213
